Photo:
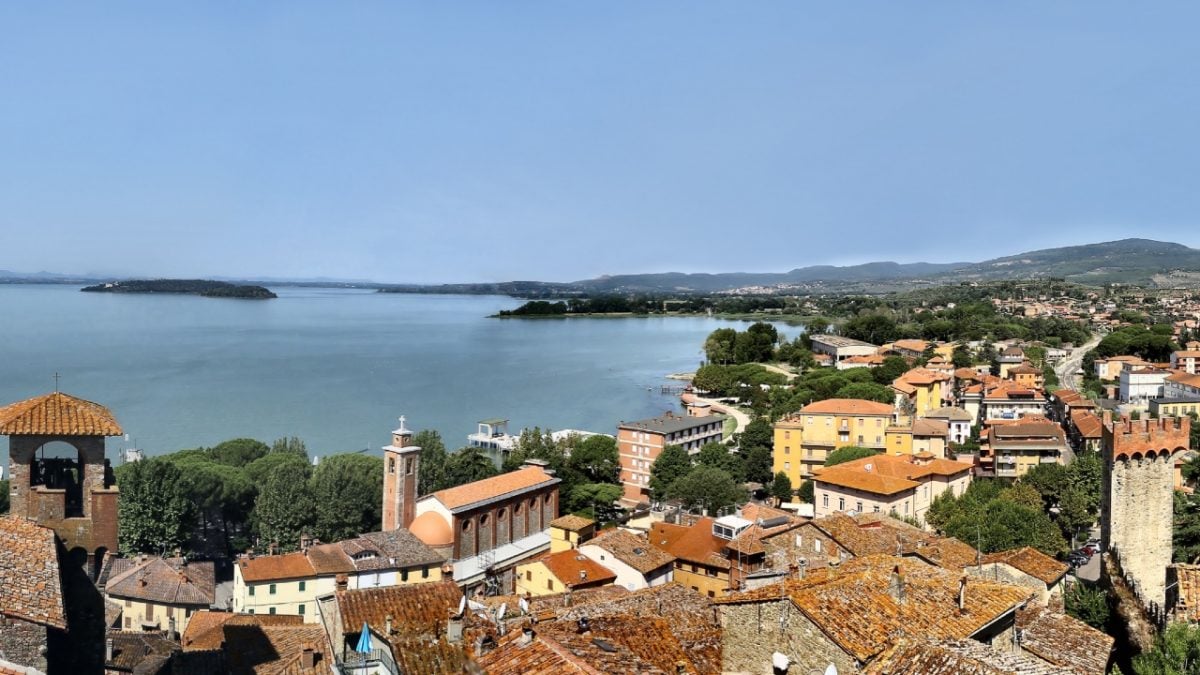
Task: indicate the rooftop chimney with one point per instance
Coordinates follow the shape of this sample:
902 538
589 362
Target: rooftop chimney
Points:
454 630
340 582
583 624
896 586
308 657
527 636
387 624
108 649
962 594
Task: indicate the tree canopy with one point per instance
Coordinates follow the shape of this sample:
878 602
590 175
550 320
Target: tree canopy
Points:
348 491
154 510
672 463
849 453
707 487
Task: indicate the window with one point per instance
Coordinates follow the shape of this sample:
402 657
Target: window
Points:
876 509
424 572
787 466
824 500
787 450
272 589
128 622
250 611
300 610
466 526
858 507
483 520
408 466
549 584
841 504
528 575
787 435
403 575
301 587
271 611
817 545
128 602
906 507
710 594
391 465
251 591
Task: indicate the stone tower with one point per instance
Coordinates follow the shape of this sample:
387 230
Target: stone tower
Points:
1137 504
401 469
74 496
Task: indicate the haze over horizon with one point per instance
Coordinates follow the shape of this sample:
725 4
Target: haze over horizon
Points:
478 142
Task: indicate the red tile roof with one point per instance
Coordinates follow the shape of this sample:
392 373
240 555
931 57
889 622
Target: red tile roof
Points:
846 406
205 630
30 586
57 414
694 544
416 609
573 569
169 581
632 549
276 567
276 650
496 486
1064 641
1032 562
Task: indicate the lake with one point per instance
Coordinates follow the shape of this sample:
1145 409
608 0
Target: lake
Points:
335 367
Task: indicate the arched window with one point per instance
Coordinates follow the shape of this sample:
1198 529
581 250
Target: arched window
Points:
466 526
483 520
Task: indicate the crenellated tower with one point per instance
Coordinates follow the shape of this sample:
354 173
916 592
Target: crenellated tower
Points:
1138 501
401 471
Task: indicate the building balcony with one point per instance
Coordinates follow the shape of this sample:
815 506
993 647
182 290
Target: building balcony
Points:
375 662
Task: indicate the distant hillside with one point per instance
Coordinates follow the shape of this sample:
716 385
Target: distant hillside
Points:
203 287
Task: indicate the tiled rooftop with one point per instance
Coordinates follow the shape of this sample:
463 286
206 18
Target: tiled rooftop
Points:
416 609
694 544
572 568
494 487
276 567
30 586
132 649
632 549
572 522
1064 641
276 650
167 581
1032 562
909 656
57 414
205 630
855 607
846 406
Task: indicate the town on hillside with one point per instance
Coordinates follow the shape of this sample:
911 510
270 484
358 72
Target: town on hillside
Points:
957 487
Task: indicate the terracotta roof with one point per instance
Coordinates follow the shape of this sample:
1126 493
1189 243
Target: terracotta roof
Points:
694 544
132 649
572 522
1024 369
920 377
914 656
401 545
870 533
846 406
416 609
1032 562
930 427
271 650
865 481
327 559
491 488
887 474
205 630
1087 424
854 606
276 567
542 655
573 568
165 581
633 550
947 552
30 586
1064 641
57 414
950 413
1182 377
911 345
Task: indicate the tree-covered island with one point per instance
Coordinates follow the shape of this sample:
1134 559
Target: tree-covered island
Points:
201 287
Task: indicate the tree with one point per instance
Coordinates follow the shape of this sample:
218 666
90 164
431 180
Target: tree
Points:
154 511
285 508
596 500
717 455
291 445
806 493
1186 529
874 328
469 465
672 464
781 487
1023 494
1176 652
718 348
239 451
757 434
432 462
849 453
707 486
260 470
596 459
756 344
758 464
961 356
348 490
1089 604
891 368
867 391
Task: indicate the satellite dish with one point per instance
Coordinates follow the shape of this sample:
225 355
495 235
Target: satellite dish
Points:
502 611
831 670
462 605
524 605
475 606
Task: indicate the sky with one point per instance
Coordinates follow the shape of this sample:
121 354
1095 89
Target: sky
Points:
490 141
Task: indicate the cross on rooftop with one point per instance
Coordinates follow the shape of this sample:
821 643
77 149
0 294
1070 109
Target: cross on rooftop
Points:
56 376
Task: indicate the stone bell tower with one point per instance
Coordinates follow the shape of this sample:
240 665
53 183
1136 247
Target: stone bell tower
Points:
76 497
1138 499
401 470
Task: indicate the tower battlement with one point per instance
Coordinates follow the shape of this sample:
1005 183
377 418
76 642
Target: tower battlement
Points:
1128 438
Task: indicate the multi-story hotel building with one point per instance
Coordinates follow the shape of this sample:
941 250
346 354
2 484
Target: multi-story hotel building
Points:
640 443
804 439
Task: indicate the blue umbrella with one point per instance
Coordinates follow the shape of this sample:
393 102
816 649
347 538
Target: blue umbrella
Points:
364 640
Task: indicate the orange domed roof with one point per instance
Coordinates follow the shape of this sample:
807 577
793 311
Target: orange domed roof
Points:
431 528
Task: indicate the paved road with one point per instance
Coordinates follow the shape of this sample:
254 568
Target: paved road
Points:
1067 367
777 369
742 418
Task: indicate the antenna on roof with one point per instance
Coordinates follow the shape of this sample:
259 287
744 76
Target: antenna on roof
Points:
56 376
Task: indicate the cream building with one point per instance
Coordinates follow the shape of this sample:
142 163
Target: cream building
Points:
904 486
157 593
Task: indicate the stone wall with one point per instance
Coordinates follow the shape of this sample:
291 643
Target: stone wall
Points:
23 643
1006 574
755 631
1139 507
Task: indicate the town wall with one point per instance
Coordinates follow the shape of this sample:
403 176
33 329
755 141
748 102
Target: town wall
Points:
755 631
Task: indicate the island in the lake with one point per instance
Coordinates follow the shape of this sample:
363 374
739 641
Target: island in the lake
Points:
202 287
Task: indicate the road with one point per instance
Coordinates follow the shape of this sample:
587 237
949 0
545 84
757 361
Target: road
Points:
777 369
742 418
1066 368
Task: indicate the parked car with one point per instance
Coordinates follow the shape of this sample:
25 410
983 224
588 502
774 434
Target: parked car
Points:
1085 552
1076 560
1091 548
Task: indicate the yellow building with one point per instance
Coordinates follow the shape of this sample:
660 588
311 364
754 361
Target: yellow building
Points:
561 572
1014 447
291 583
157 593
804 439
569 531
920 390
899 440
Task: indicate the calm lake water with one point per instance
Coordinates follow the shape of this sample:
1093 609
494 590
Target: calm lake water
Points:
335 367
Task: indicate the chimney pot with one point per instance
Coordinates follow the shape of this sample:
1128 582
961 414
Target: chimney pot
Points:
308 657
108 649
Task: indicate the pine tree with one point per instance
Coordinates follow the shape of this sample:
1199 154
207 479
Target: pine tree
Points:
155 514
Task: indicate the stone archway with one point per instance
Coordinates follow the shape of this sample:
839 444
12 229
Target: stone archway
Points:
59 465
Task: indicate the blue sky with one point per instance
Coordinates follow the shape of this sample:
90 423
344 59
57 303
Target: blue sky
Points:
462 141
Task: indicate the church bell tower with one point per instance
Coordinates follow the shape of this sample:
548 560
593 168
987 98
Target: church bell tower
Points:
401 470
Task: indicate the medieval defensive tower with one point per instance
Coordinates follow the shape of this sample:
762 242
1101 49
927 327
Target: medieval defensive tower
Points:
1137 504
